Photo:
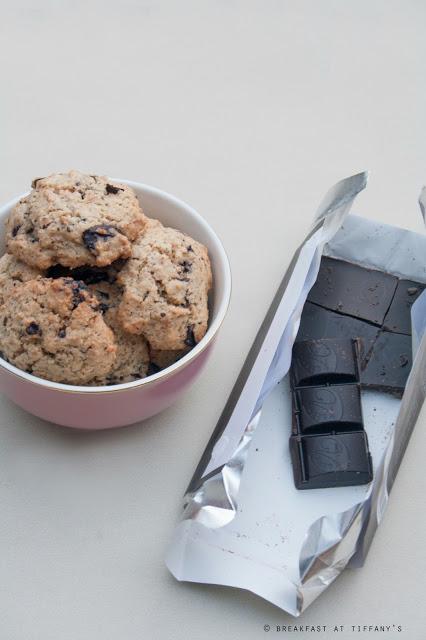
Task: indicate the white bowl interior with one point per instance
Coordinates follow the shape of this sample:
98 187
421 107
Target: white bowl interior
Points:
174 213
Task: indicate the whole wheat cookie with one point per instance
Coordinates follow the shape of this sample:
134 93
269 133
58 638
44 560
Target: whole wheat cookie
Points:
74 219
54 329
166 282
132 360
12 273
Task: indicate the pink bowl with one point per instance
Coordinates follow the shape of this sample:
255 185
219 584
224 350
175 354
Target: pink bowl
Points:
123 404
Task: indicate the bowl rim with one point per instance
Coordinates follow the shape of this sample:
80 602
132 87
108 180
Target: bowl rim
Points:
181 364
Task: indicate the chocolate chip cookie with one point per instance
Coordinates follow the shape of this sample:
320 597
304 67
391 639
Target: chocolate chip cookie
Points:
55 329
132 358
12 273
74 219
166 282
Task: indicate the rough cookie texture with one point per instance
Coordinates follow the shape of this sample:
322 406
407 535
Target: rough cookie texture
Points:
132 358
74 219
12 273
54 329
166 282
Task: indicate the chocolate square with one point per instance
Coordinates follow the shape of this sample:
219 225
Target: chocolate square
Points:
331 460
326 409
353 290
388 363
398 317
325 361
317 322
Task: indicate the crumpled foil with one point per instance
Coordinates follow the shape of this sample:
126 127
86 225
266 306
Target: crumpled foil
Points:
208 546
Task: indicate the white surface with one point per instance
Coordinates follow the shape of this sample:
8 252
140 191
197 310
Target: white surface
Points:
249 111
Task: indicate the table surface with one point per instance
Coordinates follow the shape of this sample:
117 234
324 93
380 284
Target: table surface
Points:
249 111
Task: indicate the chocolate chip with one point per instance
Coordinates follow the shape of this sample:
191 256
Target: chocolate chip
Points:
78 287
103 307
15 230
62 332
186 266
162 314
33 329
189 248
110 188
152 369
190 338
99 232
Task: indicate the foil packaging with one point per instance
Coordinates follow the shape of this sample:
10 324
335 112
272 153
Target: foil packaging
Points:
243 523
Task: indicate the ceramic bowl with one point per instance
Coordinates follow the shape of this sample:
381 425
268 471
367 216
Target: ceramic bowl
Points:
122 404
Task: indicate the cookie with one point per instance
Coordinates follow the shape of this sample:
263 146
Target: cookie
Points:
54 329
132 357
166 281
12 273
74 219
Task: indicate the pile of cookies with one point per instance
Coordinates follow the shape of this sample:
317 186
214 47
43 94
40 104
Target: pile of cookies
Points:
92 291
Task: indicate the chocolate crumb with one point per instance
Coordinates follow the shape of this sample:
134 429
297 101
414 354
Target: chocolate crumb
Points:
33 329
110 188
412 291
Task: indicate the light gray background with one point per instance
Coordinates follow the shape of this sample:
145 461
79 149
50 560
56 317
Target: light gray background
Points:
249 111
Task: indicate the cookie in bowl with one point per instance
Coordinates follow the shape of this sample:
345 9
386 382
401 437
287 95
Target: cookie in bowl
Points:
132 357
165 287
74 219
54 329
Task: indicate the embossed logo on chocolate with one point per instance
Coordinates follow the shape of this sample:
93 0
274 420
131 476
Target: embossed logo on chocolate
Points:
318 357
323 405
329 455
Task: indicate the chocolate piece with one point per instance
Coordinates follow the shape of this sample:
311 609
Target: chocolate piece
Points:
388 363
97 233
398 317
33 329
337 460
317 322
110 188
325 361
326 409
353 290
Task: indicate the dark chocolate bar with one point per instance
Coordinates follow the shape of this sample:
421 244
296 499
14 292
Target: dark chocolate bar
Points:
325 361
327 409
317 322
388 363
337 460
347 288
398 317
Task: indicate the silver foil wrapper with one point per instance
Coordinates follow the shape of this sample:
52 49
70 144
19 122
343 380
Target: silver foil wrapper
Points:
243 522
